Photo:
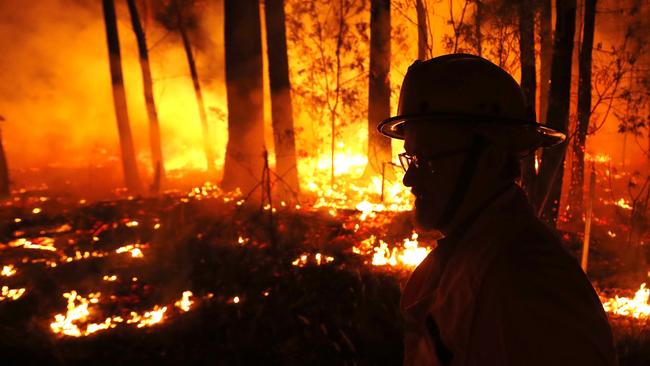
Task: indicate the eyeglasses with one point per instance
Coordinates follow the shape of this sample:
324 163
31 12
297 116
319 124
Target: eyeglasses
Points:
406 160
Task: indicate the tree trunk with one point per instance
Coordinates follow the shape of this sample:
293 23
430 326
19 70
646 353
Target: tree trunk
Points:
131 176
546 55
478 20
528 82
379 146
208 144
549 182
244 152
157 162
281 107
4 171
584 109
423 31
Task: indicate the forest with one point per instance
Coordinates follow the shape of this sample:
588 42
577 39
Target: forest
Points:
202 181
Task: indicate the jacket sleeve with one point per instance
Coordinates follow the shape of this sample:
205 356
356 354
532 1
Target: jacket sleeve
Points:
536 307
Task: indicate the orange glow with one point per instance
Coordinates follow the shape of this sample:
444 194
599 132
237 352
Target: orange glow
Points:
637 307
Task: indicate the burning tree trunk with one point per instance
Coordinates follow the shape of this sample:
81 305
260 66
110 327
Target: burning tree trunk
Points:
157 161
478 20
584 109
379 146
208 144
4 170
424 52
528 81
281 107
549 182
244 152
131 176
546 54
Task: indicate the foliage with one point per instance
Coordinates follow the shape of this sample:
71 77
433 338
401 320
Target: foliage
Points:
498 32
328 45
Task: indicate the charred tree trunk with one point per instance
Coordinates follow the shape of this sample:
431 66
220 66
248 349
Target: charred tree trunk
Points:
549 182
157 161
379 146
423 31
478 20
584 109
131 176
528 82
244 152
281 107
4 170
208 144
546 55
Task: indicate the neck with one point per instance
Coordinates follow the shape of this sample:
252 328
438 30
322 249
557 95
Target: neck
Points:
472 207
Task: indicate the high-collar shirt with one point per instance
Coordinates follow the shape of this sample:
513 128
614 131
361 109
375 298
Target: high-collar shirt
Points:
503 291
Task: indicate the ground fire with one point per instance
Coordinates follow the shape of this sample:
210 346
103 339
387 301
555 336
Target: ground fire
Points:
246 208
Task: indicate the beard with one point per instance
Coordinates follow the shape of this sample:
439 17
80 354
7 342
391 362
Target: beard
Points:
428 214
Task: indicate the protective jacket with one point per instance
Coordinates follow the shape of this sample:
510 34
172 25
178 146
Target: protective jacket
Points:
503 291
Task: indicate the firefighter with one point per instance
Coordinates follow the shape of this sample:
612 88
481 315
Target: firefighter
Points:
499 288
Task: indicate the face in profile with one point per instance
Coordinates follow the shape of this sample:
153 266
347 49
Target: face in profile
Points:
439 151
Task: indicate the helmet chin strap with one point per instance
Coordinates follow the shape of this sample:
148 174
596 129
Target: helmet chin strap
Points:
464 181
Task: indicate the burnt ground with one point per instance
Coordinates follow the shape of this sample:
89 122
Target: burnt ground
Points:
344 312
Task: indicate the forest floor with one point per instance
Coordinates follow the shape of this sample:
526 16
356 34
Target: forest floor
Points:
203 279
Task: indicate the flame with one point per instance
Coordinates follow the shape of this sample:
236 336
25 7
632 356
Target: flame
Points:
8 270
42 243
623 203
598 158
185 303
149 318
409 255
75 322
134 249
11 293
318 258
636 307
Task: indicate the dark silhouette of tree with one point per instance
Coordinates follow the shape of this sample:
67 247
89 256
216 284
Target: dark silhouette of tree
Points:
584 110
4 169
526 13
379 146
424 47
131 176
244 151
545 55
157 161
208 144
281 107
549 179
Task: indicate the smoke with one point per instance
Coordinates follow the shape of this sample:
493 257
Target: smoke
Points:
56 97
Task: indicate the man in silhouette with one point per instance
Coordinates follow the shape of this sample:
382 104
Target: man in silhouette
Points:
499 289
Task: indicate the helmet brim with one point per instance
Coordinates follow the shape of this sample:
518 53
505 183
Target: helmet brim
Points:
518 135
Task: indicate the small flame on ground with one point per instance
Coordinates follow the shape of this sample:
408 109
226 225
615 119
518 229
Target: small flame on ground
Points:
636 307
185 303
8 270
409 255
11 293
318 258
134 249
42 243
623 203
